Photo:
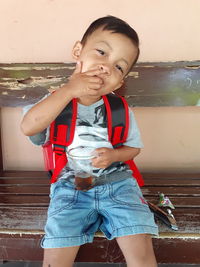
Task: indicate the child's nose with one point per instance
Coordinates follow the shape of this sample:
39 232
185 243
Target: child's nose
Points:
105 69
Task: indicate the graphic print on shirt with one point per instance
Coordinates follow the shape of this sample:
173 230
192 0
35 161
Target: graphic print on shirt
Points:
91 131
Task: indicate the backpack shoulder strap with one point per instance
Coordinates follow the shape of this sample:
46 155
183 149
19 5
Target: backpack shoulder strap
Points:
117 118
61 135
63 128
118 125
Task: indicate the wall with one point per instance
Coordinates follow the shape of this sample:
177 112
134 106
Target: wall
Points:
170 136
45 31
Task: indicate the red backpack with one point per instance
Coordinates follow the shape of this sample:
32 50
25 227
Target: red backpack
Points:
63 128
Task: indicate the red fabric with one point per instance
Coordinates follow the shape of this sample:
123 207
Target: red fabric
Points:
60 162
60 155
127 119
136 173
62 133
52 132
63 129
117 135
48 156
73 122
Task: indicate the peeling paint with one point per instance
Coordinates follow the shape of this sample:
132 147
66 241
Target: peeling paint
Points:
52 68
15 68
164 235
53 88
148 66
179 235
20 68
6 79
13 85
134 74
149 84
18 84
21 232
193 67
41 80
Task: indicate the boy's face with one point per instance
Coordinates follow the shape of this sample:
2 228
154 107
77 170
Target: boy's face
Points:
112 52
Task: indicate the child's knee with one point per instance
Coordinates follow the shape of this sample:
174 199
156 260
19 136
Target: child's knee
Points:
59 257
138 250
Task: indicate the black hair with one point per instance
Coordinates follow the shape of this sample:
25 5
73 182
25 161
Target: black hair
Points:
115 25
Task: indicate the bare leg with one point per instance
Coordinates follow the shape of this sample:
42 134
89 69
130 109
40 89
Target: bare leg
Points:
60 257
137 250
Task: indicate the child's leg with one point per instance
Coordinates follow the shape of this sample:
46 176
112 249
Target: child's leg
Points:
60 257
137 250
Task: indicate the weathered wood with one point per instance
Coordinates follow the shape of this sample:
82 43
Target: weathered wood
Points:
152 178
41 200
20 247
41 189
1 155
34 220
24 174
24 198
148 84
169 250
33 191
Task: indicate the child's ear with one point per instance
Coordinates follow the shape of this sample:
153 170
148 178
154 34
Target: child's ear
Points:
76 51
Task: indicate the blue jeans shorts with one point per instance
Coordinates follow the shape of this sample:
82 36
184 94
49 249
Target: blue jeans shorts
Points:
117 209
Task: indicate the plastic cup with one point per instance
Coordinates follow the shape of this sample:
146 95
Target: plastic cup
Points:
79 160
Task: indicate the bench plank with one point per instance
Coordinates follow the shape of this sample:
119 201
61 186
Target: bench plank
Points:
41 189
24 198
32 200
148 84
30 193
101 250
34 220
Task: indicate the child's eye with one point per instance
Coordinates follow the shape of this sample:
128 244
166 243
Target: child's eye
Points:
101 52
119 68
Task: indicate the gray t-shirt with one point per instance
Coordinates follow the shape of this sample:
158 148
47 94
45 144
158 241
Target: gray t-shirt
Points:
91 131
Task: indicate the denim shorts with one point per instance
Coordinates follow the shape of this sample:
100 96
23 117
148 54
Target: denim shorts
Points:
117 209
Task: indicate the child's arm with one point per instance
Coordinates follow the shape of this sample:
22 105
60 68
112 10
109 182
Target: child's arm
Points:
106 156
42 114
129 150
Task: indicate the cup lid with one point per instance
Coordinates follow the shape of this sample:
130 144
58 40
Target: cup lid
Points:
81 152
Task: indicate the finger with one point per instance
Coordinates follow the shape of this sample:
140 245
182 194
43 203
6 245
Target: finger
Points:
78 67
95 162
94 72
98 163
101 150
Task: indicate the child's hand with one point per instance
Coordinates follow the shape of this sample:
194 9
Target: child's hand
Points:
85 83
106 156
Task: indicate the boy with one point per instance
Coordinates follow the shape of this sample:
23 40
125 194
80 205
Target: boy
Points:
115 205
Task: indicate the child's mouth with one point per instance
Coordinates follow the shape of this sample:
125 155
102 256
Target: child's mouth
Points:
100 79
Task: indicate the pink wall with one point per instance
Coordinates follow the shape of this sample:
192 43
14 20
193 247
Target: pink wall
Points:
170 136
45 30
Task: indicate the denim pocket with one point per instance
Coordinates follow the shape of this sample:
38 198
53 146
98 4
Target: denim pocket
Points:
127 192
63 196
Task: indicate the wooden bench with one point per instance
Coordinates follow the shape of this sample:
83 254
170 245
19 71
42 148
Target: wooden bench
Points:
23 206
24 194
